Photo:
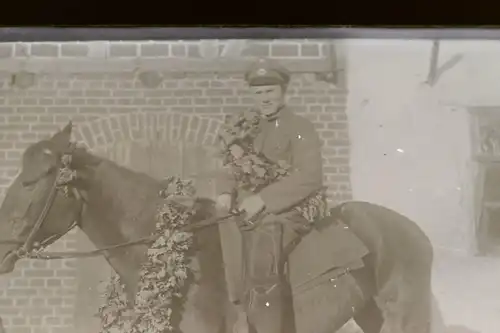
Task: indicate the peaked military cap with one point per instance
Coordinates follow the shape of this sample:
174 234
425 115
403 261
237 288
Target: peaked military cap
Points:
267 72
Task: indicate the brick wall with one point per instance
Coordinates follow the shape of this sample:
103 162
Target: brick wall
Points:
106 107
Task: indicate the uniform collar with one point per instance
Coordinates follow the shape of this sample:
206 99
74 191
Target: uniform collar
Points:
279 114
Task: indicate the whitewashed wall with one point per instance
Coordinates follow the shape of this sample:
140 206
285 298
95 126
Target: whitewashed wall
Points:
411 151
411 143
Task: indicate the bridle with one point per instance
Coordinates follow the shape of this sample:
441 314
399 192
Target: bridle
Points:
65 175
29 248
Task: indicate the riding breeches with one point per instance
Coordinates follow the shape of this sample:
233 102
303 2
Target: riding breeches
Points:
265 251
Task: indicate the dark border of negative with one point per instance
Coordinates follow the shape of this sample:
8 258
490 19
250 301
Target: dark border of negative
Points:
140 33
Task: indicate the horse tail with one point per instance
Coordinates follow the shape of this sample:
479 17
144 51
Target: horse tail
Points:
335 215
337 211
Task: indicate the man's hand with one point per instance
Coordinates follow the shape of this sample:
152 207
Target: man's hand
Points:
224 202
252 206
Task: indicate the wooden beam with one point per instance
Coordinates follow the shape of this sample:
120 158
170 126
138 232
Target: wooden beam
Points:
177 65
484 108
433 65
336 74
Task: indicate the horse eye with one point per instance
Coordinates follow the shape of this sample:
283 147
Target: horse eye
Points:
30 186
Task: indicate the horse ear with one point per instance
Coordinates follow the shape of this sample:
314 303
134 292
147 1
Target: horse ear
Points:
63 137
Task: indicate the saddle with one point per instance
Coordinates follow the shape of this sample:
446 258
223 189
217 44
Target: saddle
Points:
329 247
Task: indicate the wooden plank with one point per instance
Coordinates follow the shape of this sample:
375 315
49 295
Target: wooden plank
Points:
199 161
487 159
474 132
485 110
480 213
160 154
491 204
175 65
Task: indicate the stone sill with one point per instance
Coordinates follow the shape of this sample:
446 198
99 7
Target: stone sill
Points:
177 65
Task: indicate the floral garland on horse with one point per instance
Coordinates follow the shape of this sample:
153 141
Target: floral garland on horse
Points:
163 277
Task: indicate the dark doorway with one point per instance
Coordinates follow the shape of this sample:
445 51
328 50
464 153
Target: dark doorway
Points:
489 228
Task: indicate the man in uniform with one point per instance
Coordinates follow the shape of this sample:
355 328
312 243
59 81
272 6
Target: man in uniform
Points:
284 136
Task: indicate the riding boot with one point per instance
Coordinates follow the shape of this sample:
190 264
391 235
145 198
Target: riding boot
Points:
265 308
263 296
268 294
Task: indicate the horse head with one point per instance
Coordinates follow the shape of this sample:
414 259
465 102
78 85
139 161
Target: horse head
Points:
34 213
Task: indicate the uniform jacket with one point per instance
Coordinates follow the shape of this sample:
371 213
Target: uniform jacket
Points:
291 138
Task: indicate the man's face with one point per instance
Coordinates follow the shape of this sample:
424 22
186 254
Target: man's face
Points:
268 99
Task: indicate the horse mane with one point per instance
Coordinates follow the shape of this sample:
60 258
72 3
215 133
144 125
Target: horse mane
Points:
137 181
82 158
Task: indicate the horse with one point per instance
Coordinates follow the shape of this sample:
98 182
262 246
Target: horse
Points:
115 205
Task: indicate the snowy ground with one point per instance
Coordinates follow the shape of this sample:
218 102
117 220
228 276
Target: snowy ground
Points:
467 289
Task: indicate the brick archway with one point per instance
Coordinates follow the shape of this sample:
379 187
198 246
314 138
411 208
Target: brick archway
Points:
106 135
108 106
190 128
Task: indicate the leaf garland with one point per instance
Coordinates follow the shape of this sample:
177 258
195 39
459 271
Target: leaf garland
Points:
164 277
253 171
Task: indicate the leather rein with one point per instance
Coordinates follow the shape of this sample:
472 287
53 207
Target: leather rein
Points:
33 250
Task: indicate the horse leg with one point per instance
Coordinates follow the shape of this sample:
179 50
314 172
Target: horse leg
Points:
203 310
327 305
197 317
369 317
